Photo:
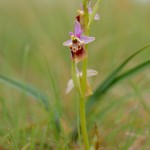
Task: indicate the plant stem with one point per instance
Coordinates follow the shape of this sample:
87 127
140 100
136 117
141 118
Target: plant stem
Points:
78 121
83 124
76 79
81 103
84 82
84 75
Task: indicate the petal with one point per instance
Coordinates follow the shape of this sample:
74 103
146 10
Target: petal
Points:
77 29
91 72
89 7
89 10
70 33
87 39
97 17
67 43
70 86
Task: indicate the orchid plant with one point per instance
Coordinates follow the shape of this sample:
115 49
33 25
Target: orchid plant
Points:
79 53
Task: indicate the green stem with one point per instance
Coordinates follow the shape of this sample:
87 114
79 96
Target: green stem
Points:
84 82
86 15
76 79
78 121
83 124
82 103
84 75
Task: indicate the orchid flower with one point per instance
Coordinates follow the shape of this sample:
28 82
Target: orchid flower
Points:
80 16
90 73
97 17
77 43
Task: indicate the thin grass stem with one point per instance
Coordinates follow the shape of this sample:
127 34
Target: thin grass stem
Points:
13 140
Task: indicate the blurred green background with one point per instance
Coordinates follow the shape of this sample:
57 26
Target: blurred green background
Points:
32 31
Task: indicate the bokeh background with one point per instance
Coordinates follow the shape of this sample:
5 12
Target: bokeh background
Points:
31 36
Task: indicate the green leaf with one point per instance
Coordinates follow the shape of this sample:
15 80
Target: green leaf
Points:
28 89
113 79
131 72
57 111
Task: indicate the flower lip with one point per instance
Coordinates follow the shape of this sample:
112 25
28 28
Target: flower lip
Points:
78 51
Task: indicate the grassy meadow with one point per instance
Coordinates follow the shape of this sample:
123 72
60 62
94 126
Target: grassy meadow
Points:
31 52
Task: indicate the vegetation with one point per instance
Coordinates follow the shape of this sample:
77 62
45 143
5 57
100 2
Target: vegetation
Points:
36 113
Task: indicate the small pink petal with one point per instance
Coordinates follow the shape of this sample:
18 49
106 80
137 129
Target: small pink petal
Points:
97 17
70 33
77 29
89 10
67 43
87 39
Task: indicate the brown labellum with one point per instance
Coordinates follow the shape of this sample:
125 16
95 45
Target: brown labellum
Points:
78 51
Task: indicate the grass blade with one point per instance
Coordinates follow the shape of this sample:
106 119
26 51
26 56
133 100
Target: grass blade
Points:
13 140
107 83
111 80
131 72
57 111
28 89
121 77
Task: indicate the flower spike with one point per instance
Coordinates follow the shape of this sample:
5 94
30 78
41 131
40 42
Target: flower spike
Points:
78 49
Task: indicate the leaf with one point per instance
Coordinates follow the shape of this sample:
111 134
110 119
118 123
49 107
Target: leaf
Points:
131 72
28 89
57 110
111 79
